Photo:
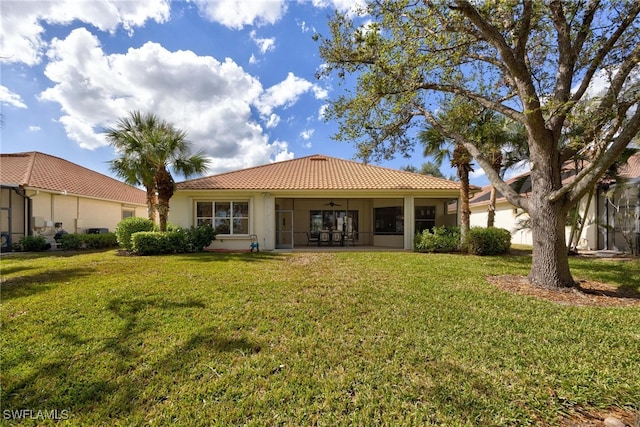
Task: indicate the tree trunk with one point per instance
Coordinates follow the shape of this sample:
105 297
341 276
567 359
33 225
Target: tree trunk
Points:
491 214
550 261
151 202
465 211
583 221
166 187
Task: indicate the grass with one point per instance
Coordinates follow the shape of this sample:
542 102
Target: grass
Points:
357 338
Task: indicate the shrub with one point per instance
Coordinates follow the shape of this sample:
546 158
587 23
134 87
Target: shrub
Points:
156 242
199 238
489 241
193 239
32 244
77 241
128 226
440 239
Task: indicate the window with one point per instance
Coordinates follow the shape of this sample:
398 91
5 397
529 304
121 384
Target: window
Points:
389 220
346 221
225 217
128 213
425 218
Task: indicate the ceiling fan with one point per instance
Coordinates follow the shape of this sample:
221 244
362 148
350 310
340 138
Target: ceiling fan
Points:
332 204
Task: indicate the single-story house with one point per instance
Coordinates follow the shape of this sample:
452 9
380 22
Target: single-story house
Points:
612 220
43 194
314 200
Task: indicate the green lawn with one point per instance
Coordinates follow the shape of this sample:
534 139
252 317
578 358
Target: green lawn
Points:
351 338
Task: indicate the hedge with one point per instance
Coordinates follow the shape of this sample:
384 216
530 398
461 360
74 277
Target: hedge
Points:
488 241
439 239
128 226
193 239
31 244
76 241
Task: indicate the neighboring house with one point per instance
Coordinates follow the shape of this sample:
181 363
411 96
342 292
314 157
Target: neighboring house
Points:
43 194
315 200
612 219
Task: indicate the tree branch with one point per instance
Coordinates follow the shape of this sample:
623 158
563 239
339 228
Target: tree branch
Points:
506 190
588 177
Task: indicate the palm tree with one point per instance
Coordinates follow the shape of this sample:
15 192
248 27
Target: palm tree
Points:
439 147
149 148
503 142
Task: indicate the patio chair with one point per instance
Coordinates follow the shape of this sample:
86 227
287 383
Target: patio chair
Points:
312 238
349 237
324 237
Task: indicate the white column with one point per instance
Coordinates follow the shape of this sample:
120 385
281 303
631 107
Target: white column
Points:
267 236
409 222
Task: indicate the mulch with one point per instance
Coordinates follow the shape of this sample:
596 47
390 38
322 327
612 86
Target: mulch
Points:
586 293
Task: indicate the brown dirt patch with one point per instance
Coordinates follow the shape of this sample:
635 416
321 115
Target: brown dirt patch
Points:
596 418
586 293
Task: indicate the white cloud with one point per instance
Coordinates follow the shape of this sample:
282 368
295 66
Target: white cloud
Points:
286 93
274 120
11 98
517 169
322 112
307 134
265 45
477 172
209 99
22 30
236 14
350 6
35 128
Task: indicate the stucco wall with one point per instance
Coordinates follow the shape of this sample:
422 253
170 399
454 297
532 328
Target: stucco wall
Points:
77 214
506 217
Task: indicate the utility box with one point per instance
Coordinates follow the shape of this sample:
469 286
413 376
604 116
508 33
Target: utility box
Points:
97 230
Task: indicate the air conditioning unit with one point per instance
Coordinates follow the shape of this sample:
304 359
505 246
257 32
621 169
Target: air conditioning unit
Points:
37 222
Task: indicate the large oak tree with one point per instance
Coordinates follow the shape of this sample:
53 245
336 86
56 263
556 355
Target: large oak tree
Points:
534 62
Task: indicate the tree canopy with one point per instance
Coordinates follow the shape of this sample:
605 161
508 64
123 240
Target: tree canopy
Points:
558 68
149 148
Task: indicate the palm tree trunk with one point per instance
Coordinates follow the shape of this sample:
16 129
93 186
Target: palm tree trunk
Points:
151 202
584 220
465 211
491 214
496 164
166 187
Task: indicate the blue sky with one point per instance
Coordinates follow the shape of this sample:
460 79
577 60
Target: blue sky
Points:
237 76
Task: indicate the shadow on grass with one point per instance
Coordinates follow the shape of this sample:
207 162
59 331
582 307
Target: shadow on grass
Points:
16 287
623 273
118 376
462 392
230 256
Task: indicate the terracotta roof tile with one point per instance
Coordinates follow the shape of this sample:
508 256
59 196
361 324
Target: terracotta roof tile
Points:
318 172
42 171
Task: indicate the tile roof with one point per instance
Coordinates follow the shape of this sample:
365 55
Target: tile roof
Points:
318 172
42 171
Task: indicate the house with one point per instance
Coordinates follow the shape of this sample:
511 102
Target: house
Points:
613 212
43 194
315 200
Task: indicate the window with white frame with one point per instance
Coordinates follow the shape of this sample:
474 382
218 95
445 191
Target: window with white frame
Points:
226 217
